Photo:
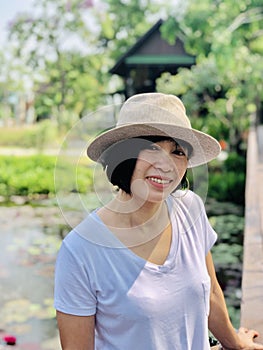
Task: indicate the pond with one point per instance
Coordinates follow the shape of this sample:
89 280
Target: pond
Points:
30 238
228 221
29 242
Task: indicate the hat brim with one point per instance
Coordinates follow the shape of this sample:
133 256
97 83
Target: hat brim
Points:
205 147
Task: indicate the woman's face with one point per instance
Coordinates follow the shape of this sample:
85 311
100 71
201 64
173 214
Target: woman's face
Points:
158 170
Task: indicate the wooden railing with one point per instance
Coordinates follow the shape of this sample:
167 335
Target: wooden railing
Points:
252 281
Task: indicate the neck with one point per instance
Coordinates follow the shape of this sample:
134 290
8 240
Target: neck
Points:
132 223
135 211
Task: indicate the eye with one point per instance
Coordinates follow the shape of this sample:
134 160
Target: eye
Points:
179 152
153 147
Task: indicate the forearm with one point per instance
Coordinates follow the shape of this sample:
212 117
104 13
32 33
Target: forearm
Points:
219 322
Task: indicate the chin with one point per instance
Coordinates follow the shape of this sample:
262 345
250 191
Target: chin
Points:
157 198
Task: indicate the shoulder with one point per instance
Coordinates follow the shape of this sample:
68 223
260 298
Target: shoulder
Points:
189 200
79 247
191 210
189 207
91 234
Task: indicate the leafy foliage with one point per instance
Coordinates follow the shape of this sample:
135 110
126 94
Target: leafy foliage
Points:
67 48
34 175
36 136
227 180
123 23
225 86
57 43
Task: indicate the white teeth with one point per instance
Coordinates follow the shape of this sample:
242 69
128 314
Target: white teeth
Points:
159 181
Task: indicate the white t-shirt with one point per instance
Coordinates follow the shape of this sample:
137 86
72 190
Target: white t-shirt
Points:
140 305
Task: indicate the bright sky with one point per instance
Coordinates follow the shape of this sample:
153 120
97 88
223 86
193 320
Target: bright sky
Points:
9 9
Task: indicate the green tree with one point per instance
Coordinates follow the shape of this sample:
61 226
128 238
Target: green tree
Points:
225 86
57 43
70 45
123 22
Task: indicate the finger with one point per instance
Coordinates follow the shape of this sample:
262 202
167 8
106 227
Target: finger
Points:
243 329
253 333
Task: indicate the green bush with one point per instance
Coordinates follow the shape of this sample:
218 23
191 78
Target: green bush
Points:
34 175
227 181
235 162
29 175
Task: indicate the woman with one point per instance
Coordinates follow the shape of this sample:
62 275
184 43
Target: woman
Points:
137 273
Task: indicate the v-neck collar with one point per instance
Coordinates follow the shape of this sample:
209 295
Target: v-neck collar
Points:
116 242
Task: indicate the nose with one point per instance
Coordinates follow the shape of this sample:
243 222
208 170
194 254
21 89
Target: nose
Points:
164 162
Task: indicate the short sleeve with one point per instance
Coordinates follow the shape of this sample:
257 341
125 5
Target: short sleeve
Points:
210 235
73 293
192 207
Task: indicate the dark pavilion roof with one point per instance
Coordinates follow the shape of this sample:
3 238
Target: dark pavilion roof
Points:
153 51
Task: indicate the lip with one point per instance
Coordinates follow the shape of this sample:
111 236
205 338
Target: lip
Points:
159 181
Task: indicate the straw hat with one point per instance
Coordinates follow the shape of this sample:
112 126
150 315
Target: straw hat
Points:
156 114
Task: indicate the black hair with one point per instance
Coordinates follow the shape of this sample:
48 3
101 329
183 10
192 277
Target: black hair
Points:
119 160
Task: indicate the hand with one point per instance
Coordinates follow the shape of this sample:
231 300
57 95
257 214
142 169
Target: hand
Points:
247 337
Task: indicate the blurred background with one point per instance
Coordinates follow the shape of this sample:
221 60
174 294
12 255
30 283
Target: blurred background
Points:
60 62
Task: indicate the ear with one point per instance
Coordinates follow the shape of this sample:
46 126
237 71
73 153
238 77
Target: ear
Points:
184 182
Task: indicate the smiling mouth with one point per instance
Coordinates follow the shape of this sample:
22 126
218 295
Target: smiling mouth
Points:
159 181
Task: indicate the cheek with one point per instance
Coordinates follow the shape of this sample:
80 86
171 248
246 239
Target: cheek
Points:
141 166
139 188
138 184
138 175
146 157
180 166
